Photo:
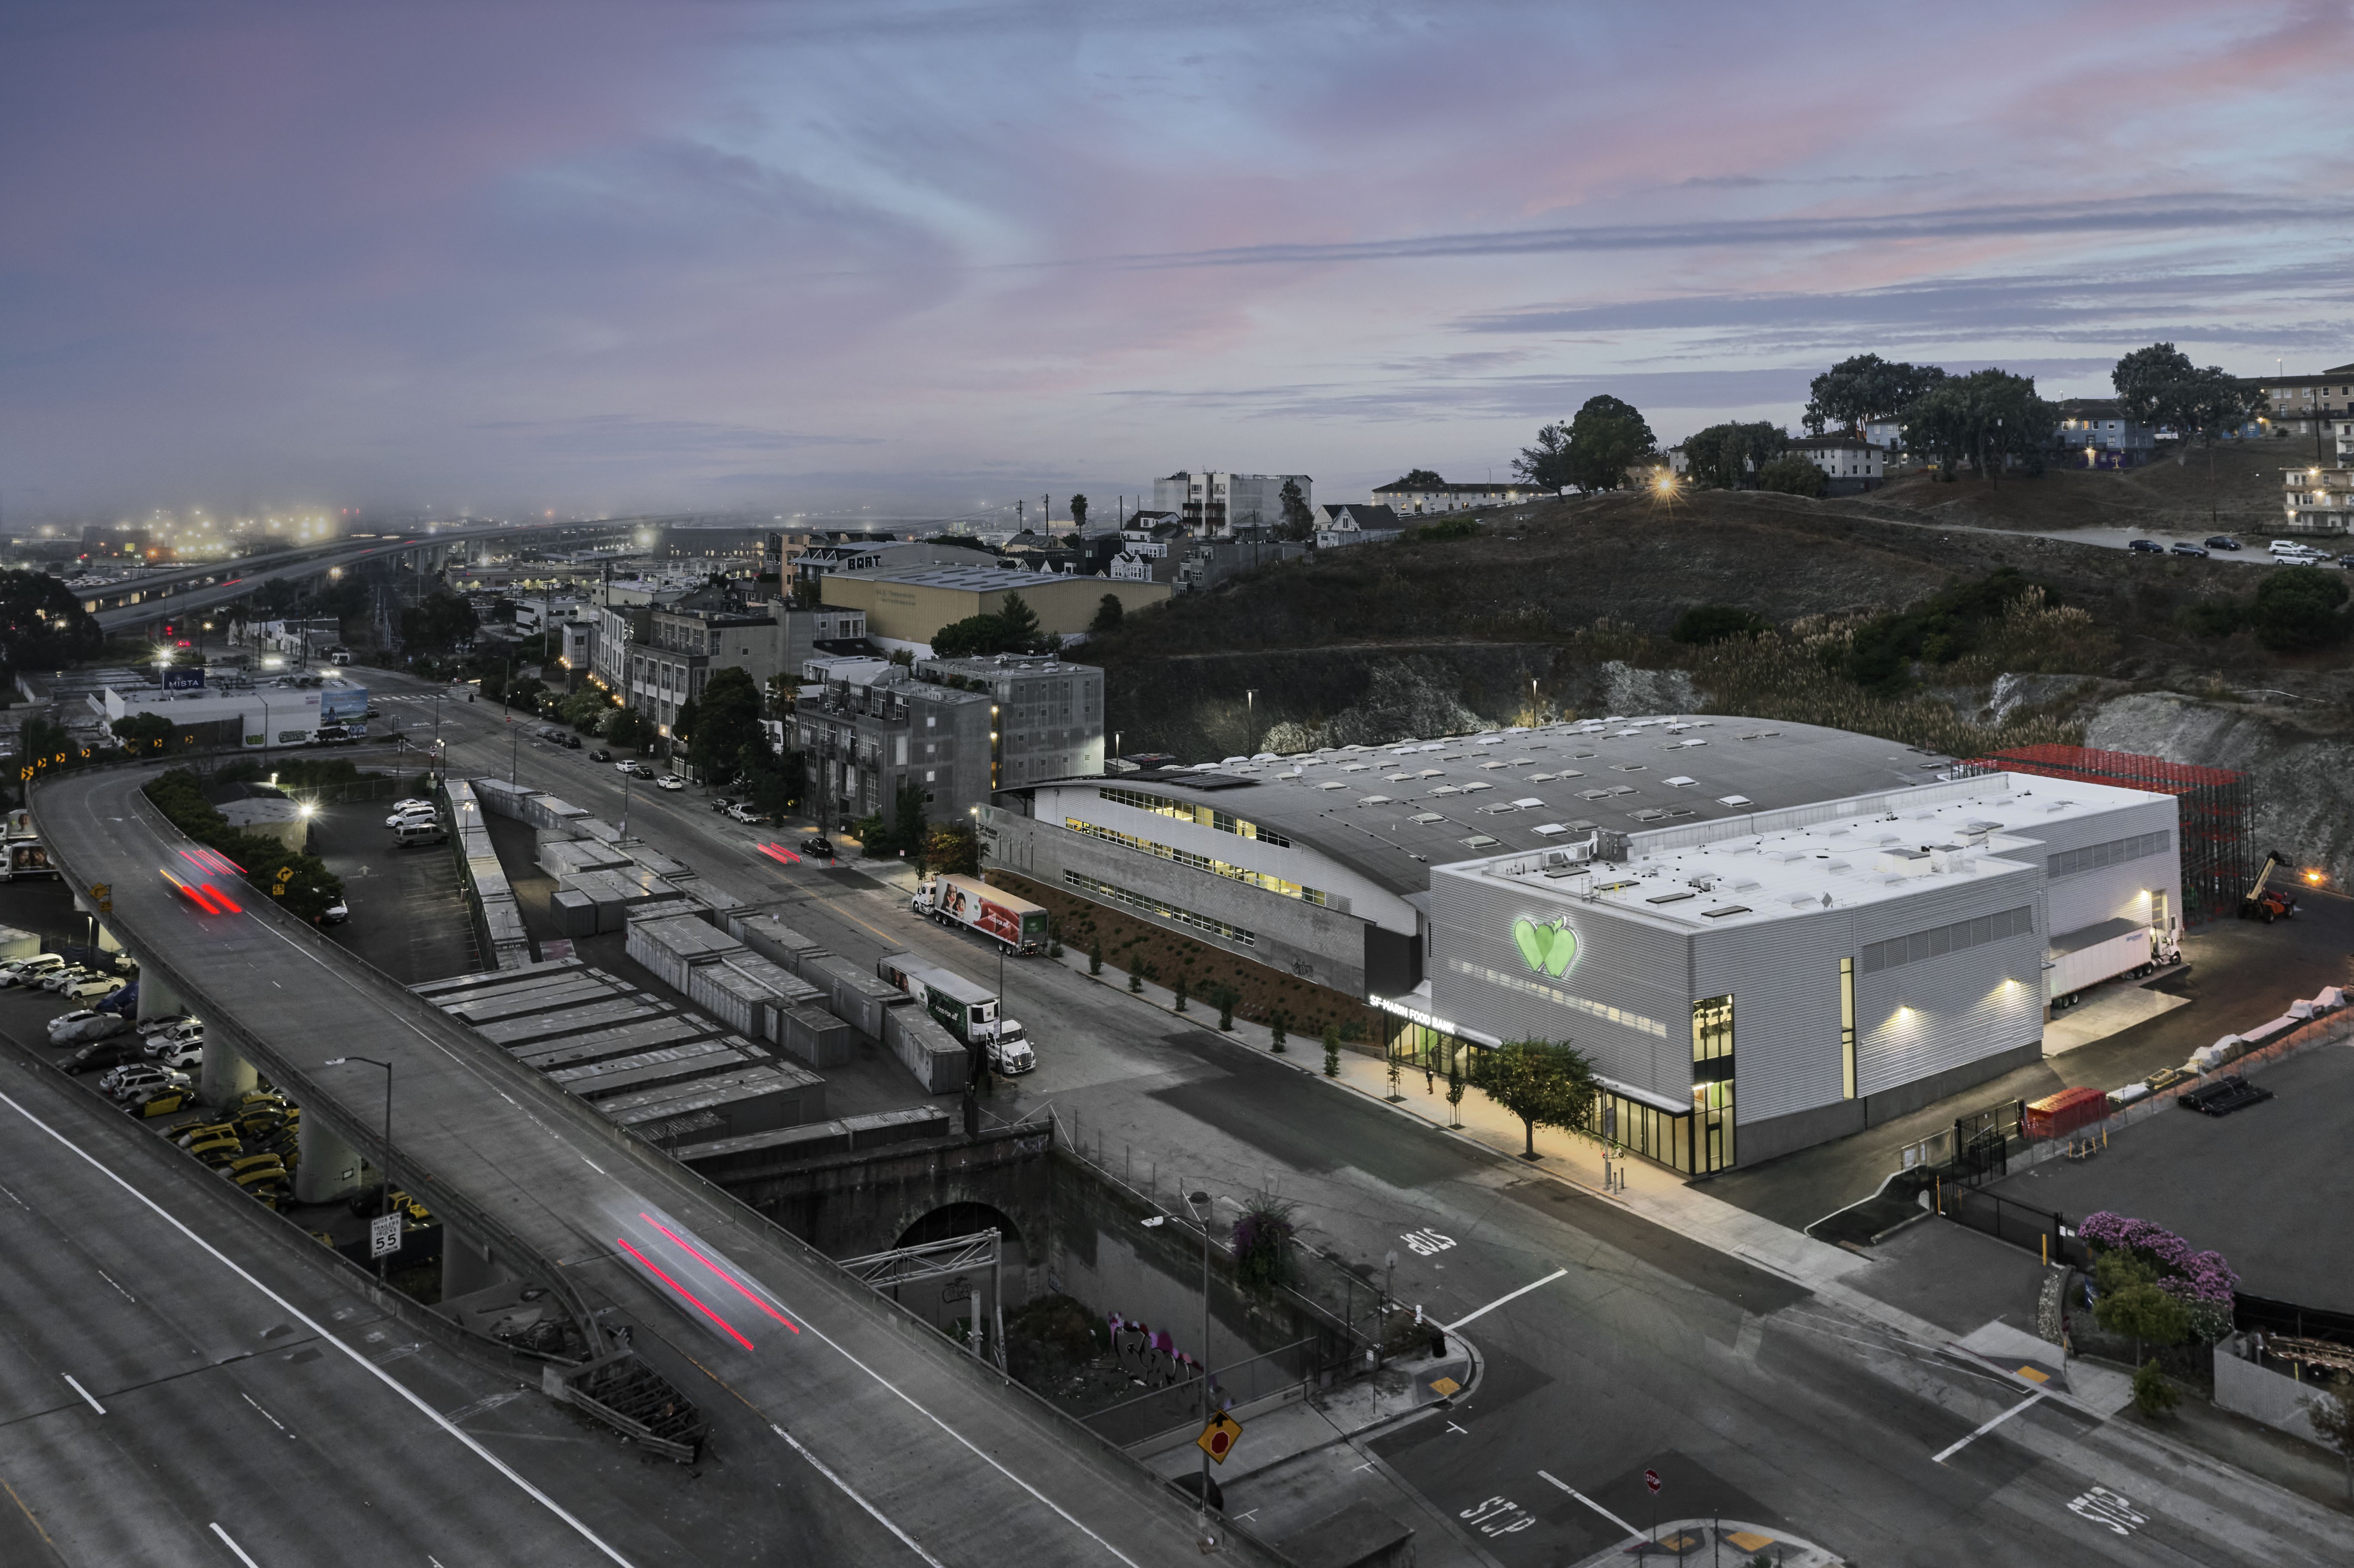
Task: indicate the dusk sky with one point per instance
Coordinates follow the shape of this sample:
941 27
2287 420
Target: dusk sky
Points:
605 258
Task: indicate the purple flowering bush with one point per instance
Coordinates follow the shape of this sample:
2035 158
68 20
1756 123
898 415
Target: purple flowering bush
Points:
2202 1281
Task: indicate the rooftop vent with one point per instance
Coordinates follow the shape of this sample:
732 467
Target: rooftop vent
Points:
1481 841
1680 781
1720 913
1733 801
1426 818
1548 830
1676 897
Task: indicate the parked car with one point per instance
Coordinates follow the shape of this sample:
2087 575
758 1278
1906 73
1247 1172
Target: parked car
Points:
25 970
183 1058
2221 542
414 814
816 849
104 1054
741 812
413 804
670 781
93 986
600 755
64 1021
169 1100
640 771
130 1078
623 767
2185 547
62 976
2145 546
335 914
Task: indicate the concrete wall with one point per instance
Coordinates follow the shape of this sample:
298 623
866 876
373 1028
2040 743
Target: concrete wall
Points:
2263 1395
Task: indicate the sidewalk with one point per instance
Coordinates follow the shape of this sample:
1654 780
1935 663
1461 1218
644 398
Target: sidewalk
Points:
1661 1196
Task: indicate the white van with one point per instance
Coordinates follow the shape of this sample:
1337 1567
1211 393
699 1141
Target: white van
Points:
419 832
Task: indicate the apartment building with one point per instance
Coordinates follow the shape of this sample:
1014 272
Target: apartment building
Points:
1211 503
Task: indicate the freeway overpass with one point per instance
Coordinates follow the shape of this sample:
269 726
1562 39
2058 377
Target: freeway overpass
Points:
917 1453
152 600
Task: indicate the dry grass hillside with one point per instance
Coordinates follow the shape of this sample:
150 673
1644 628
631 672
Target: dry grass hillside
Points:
2234 486
1568 608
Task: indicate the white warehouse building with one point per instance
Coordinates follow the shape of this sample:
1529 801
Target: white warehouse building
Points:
1762 936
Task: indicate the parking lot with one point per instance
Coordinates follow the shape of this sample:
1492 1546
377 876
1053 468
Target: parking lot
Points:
149 1070
2268 1187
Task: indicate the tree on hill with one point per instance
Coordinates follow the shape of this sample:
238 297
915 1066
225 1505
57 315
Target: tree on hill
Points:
1420 479
1606 437
1988 417
1109 613
1545 464
1078 511
1730 456
2159 385
1866 387
1299 522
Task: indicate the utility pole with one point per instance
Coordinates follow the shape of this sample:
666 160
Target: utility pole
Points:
1200 1203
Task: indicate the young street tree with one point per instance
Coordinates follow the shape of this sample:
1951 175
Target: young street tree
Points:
1543 1084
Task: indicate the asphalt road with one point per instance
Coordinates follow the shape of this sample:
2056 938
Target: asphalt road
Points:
225 1385
1742 1389
900 1446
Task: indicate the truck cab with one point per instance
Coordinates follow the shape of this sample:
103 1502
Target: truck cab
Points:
1009 1050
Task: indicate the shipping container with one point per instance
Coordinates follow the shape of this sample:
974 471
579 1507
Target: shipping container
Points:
2056 1116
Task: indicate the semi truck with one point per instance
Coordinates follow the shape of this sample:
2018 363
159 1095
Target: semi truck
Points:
1015 923
966 1009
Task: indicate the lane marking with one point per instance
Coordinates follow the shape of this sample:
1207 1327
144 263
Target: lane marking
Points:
119 1290
29 1516
1632 1534
84 1393
233 1546
2035 1398
549 1503
1498 1301
818 1466
265 1414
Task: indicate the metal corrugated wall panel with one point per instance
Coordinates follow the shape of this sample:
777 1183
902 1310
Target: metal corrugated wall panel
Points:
1638 969
1783 976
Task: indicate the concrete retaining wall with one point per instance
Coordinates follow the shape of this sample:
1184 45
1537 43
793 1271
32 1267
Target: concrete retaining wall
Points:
2263 1395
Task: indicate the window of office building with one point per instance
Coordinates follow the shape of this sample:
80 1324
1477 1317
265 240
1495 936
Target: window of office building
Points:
1846 1028
1713 1083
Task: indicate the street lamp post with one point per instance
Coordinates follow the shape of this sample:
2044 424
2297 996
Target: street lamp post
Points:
384 1165
1250 706
1200 1203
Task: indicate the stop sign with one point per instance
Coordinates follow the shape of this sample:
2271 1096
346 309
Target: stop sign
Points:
1651 1479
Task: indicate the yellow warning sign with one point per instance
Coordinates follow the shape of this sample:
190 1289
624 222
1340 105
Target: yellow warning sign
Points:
1219 1437
1443 1387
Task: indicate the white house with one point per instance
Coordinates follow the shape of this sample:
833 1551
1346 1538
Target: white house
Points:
1357 526
1418 498
1851 462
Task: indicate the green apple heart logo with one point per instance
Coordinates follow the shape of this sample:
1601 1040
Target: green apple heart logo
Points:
1549 947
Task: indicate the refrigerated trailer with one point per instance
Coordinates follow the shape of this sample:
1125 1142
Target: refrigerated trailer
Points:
1018 924
966 1009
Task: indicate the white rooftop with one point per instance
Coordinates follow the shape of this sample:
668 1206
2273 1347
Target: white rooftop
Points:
1872 849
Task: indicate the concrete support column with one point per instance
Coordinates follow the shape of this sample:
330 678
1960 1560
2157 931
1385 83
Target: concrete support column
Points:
328 1167
226 1073
157 999
467 1265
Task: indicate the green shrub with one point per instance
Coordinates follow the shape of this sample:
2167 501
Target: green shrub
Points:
1793 475
1706 623
2152 1396
1332 1051
2297 609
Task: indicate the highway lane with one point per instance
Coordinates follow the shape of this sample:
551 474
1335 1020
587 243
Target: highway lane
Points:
219 1378
933 1449
1652 1349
